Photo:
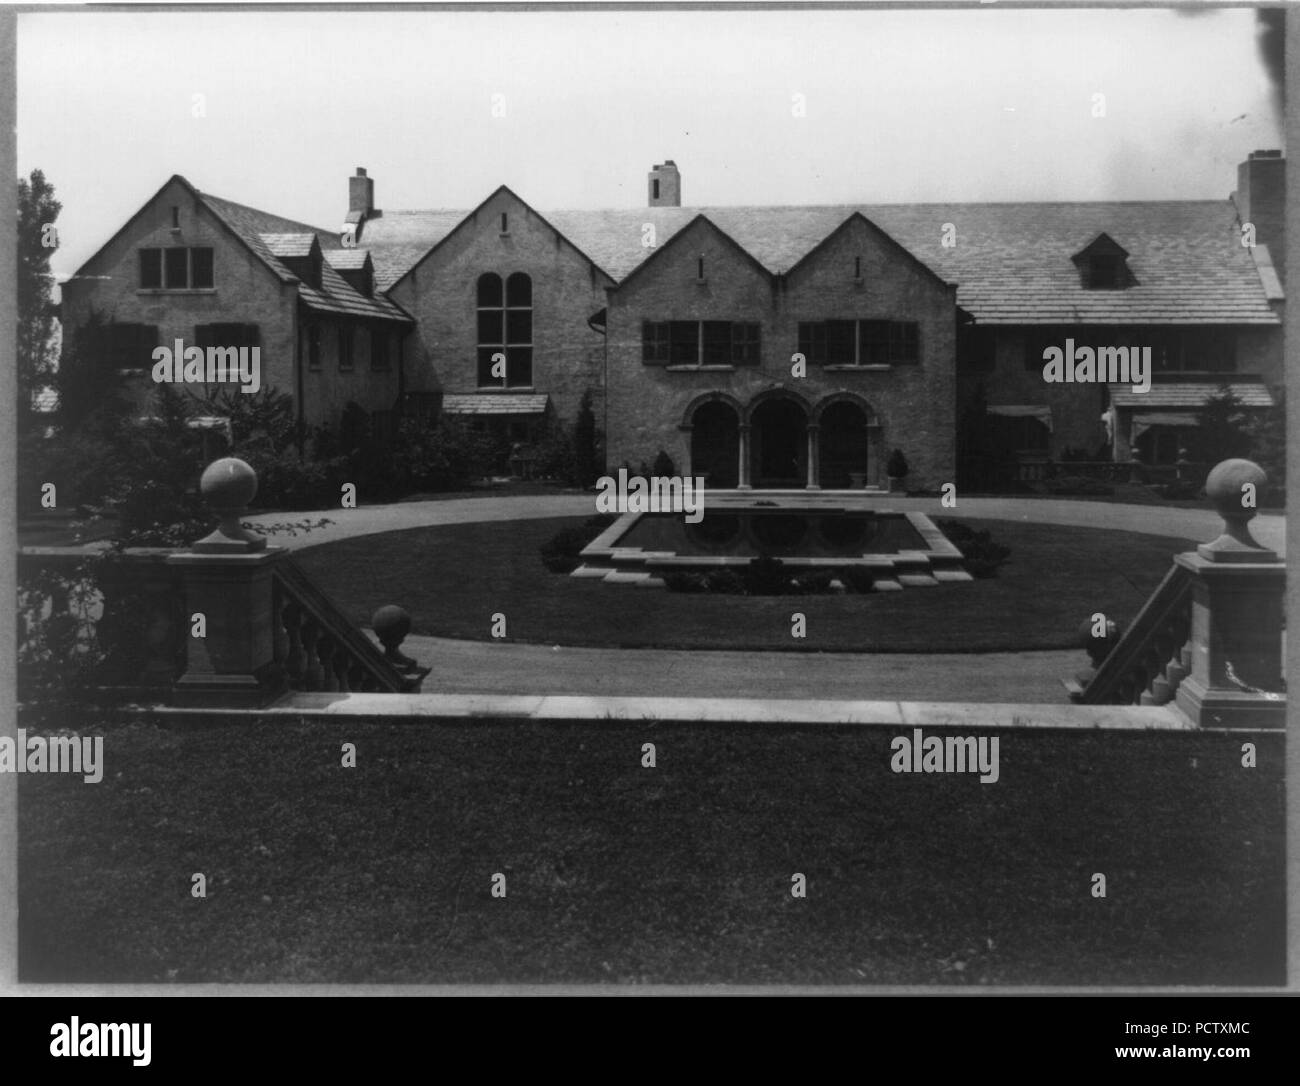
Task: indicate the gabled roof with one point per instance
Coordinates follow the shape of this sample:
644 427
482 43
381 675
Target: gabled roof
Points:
348 259
387 274
659 251
1012 262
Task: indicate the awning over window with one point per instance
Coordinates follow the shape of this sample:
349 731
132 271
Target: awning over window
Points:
1143 422
495 403
1022 411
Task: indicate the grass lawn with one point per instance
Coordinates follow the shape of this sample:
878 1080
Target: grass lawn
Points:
621 874
454 578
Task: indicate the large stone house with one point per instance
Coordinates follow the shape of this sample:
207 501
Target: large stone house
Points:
762 346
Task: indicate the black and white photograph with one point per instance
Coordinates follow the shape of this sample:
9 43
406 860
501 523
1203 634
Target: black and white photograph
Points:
644 498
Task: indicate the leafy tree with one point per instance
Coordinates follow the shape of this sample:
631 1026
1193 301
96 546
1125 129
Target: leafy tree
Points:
1267 432
90 392
37 240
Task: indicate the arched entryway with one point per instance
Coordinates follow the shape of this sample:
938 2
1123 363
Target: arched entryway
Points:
779 444
715 443
844 443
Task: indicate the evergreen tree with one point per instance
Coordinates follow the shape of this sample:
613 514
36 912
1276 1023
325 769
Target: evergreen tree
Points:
37 240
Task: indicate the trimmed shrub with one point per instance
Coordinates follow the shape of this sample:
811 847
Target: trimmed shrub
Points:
980 554
560 553
766 576
663 466
813 583
857 579
726 582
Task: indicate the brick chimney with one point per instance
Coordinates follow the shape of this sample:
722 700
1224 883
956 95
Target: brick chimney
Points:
1261 199
665 185
361 197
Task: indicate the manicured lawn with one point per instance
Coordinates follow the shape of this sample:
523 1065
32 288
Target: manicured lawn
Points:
621 874
453 579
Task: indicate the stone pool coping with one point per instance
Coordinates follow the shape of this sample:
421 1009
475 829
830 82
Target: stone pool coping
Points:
941 561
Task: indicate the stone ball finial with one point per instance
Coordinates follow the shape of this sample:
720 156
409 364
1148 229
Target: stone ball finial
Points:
1233 487
391 625
1098 646
228 485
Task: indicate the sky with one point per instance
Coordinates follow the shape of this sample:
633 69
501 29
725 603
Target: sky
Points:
571 110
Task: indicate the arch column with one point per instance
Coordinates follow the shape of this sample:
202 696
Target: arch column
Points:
814 458
743 476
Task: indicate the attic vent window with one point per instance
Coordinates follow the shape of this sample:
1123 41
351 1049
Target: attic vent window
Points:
176 218
699 269
654 188
857 267
505 223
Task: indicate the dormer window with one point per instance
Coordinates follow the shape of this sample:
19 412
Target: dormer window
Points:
1103 265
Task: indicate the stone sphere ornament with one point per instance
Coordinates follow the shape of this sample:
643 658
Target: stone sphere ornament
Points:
391 625
1233 487
228 485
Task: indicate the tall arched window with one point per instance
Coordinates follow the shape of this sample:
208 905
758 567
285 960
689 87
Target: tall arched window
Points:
505 326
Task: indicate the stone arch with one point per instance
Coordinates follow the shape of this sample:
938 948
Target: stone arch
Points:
712 423
847 442
779 440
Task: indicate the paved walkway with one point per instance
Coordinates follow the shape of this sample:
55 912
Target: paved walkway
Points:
487 668
1198 524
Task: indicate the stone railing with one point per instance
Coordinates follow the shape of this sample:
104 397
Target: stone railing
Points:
228 623
269 628
1210 637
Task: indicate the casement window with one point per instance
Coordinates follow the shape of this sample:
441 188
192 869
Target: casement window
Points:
700 343
347 339
176 268
505 327
859 343
226 335
379 350
129 346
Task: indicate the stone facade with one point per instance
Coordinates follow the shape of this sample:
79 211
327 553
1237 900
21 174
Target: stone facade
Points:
440 292
856 274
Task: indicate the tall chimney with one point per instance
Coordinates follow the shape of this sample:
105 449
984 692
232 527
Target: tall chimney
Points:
666 185
1261 199
361 197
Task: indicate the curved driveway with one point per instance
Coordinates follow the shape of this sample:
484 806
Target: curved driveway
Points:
479 667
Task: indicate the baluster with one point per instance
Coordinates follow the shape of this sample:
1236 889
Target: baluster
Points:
295 660
342 662
325 649
313 674
279 638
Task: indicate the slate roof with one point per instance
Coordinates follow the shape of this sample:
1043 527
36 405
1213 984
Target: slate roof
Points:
398 239
290 245
272 236
1251 394
1011 263
494 403
347 259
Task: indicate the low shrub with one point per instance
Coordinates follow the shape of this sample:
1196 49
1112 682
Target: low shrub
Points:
813 583
726 582
560 553
686 582
980 554
766 576
1080 485
857 579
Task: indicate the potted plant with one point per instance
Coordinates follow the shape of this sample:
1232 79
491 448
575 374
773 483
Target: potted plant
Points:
896 468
